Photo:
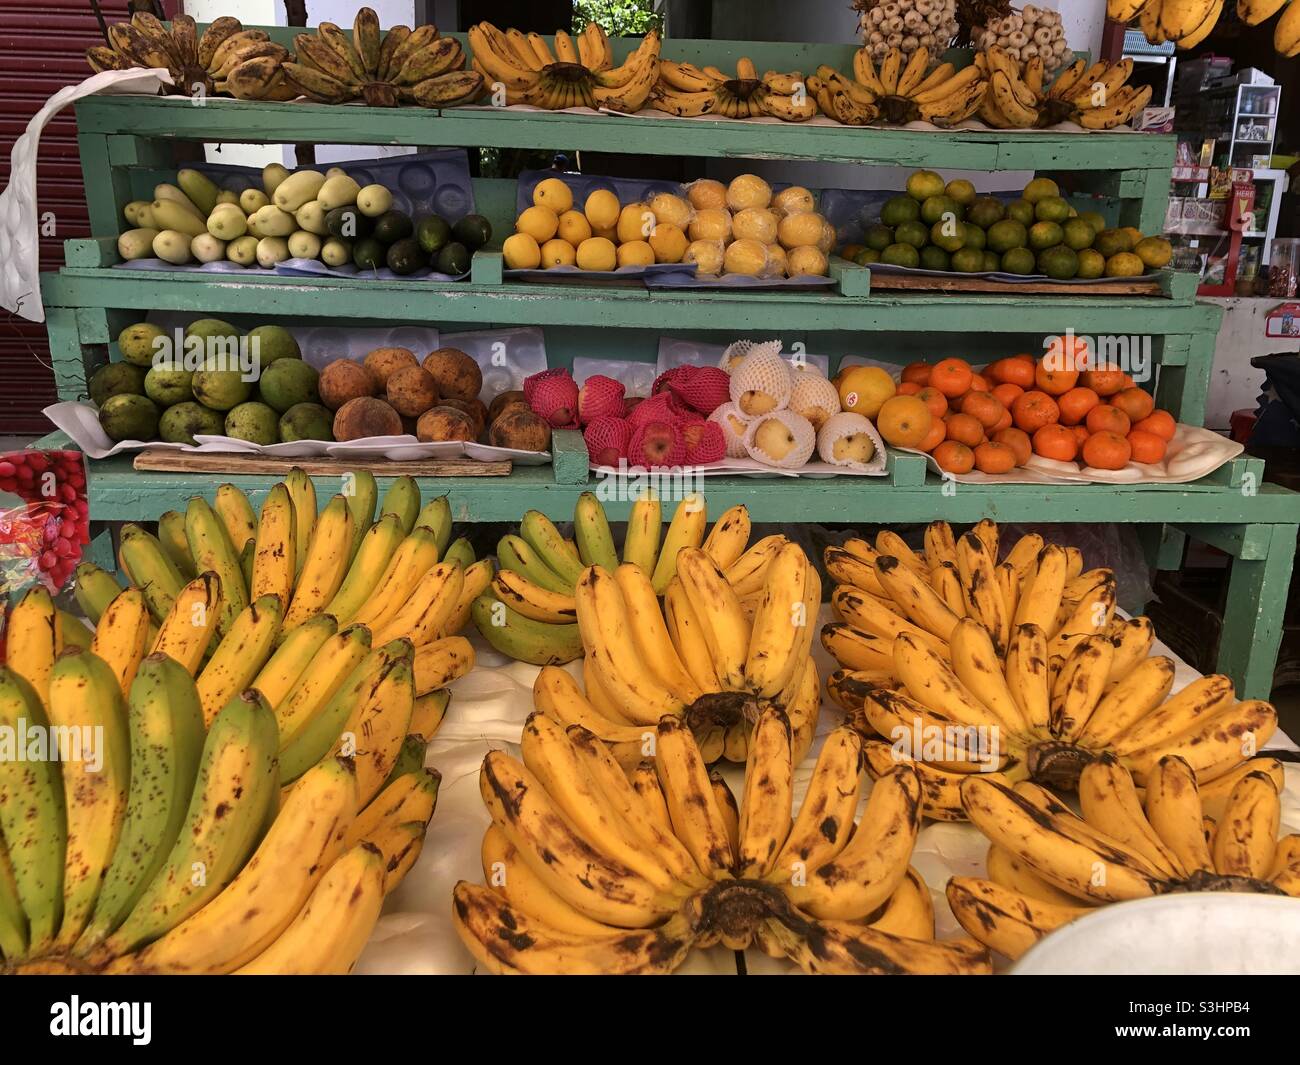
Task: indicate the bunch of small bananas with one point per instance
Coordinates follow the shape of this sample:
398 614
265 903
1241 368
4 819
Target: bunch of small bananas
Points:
904 89
579 73
99 845
1046 866
226 59
530 612
591 870
1096 96
1188 22
402 66
1020 670
689 91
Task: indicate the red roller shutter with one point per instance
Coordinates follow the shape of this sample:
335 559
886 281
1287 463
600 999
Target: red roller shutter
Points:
41 50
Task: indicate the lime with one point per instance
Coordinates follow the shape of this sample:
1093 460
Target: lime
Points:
1045 235
991 261
985 211
961 190
1022 211
1059 263
1051 209
1155 252
901 255
867 256
1078 233
923 184
1018 261
1094 219
934 257
933 208
1091 263
1124 264
913 233
1040 188
948 235
898 209
975 237
1007 234
968 260
1113 241
878 237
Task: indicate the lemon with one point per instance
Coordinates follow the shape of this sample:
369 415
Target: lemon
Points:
601 209
636 253
1134 235
747 257
540 223
748 190
1155 252
1124 264
669 243
597 253
794 200
800 230
635 222
712 223
806 260
521 252
827 240
670 208
754 223
574 227
706 255
557 252
777 262
555 194
707 194
864 389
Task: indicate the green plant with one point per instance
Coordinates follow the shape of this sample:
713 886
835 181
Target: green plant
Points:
618 18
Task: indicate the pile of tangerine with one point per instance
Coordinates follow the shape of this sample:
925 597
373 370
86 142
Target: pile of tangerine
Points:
995 419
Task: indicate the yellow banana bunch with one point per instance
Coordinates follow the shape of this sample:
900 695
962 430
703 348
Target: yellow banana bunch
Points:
590 869
403 66
579 72
1046 865
1095 97
688 91
226 58
528 611
1022 672
902 89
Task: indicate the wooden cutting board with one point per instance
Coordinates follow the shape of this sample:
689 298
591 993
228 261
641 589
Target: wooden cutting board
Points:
1138 286
165 460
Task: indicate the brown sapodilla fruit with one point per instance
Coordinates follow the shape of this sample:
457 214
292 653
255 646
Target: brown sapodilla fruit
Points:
502 400
458 376
343 380
412 391
444 423
384 362
519 428
366 416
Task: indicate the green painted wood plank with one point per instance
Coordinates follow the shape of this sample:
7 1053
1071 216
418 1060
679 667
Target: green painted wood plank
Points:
66 353
569 461
260 121
1253 613
543 304
1250 541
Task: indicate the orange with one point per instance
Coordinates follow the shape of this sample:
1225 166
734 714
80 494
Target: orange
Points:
918 372
1055 382
1160 422
984 407
953 457
1015 370
1033 410
1076 404
904 421
1019 442
1007 392
965 429
992 457
937 435
1135 402
1055 442
934 399
1147 447
1067 353
1107 419
1004 422
951 377
1081 434
908 388
1104 381
1106 451
980 383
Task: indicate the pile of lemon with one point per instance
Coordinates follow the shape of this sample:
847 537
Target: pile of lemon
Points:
737 228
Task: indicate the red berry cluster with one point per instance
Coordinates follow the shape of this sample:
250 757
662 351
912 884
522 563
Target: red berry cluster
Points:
42 537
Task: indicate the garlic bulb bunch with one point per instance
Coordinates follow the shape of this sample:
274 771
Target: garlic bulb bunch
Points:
1031 31
908 25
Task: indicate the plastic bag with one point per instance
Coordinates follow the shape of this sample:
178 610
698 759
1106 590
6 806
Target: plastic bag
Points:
44 518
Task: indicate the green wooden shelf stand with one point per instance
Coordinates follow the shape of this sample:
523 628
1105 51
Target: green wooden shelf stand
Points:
127 145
